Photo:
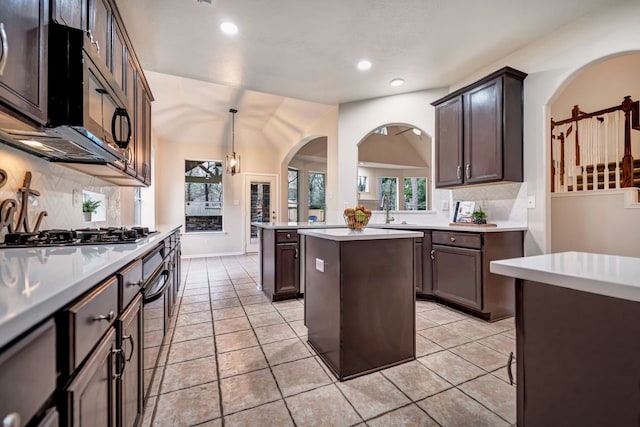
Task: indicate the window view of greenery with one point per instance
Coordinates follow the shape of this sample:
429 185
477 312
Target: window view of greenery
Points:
316 196
203 195
292 196
415 194
388 189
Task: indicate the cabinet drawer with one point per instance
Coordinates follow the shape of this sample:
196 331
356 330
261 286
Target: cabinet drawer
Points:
89 319
28 374
463 240
130 284
286 236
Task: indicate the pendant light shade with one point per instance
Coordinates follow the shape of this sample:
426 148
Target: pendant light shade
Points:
232 161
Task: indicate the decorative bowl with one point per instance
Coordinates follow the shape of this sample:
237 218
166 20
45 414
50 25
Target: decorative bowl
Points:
354 224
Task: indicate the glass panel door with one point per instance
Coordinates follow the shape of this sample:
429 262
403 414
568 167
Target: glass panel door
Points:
261 206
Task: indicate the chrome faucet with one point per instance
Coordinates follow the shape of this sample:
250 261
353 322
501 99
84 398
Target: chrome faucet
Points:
385 204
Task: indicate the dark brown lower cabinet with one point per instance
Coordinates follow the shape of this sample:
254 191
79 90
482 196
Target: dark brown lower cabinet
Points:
461 274
280 269
422 267
91 397
287 268
131 381
457 275
578 357
28 376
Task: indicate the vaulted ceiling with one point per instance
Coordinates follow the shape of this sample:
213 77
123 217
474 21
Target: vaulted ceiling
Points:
308 49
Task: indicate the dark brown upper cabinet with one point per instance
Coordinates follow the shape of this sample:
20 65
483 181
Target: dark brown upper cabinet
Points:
71 13
23 56
99 27
479 131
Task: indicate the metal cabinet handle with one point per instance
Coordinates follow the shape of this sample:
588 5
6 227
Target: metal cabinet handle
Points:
288 235
11 420
453 239
121 112
433 254
133 345
296 255
458 172
93 41
108 317
468 170
5 48
119 354
509 373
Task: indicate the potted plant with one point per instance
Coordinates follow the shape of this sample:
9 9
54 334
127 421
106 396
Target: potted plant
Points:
480 217
89 206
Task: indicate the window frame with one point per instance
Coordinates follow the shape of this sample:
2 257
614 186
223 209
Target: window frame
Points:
219 164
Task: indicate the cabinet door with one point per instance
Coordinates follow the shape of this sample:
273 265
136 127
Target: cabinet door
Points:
147 138
287 269
71 13
427 265
99 26
418 251
91 397
130 387
130 77
143 133
457 275
483 133
117 56
449 143
23 60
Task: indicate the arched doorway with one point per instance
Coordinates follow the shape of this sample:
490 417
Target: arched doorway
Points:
590 211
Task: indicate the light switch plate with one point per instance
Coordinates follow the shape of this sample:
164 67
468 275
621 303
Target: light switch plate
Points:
444 205
320 265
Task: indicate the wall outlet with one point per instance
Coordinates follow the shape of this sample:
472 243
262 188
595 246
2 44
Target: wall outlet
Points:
531 202
444 205
320 265
484 204
236 202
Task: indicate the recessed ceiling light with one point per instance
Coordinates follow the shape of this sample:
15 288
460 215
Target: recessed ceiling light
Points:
396 82
416 131
229 28
364 65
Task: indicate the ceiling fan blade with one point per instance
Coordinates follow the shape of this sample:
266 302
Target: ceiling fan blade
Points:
403 131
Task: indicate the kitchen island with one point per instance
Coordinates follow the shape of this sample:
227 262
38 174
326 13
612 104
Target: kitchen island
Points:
577 340
360 298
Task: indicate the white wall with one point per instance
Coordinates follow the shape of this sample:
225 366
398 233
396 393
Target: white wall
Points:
170 193
551 63
358 119
602 223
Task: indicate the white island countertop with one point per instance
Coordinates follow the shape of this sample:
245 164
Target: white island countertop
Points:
395 226
345 234
608 275
37 282
296 225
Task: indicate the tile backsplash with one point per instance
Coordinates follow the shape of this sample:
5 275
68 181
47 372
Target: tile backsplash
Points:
60 192
502 202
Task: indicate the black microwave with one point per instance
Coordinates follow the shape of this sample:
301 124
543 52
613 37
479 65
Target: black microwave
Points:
88 121
83 93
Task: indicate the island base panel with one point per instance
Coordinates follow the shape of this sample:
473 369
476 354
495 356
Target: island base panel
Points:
361 309
578 357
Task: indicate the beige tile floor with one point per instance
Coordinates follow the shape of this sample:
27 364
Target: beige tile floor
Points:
235 359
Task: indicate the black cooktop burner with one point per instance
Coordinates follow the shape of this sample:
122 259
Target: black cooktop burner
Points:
84 236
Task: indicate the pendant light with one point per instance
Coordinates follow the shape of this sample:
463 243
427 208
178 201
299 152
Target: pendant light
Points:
232 161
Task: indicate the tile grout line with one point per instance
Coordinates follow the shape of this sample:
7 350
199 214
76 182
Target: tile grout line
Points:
215 346
265 358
